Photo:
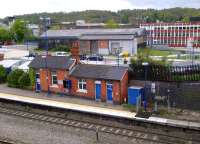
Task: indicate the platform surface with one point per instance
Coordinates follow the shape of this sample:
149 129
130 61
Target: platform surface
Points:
100 111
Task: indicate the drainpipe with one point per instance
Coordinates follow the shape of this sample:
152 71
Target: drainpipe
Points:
120 92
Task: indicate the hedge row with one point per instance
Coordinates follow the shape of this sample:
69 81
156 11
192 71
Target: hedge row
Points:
3 74
19 79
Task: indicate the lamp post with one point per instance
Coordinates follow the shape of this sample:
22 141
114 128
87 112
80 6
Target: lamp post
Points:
168 100
145 64
46 21
27 33
118 52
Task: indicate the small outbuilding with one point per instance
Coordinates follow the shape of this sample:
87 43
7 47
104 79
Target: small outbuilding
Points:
60 74
100 82
51 71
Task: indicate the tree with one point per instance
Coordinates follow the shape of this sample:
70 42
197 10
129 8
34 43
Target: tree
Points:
13 78
19 30
186 19
2 74
4 35
24 81
111 24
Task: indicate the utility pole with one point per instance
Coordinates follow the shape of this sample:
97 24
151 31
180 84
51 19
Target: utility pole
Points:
118 52
145 64
168 100
46 21
27 41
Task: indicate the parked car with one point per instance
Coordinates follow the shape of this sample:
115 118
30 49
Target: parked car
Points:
61 53
83 57
95 58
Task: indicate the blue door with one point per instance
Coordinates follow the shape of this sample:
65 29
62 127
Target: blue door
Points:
38 87
98 91
109 93
37 84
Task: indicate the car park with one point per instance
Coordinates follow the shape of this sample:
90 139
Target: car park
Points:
83 57
61 53
95 58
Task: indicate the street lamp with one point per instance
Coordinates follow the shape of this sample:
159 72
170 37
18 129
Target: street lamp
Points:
145 64
46 21
27 33
118 53
168 100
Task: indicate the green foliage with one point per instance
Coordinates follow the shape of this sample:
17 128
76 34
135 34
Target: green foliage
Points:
111 24
2 74
129 107
144 56
153 52
13 78
64 48
24 81
134 16
186 19
55 27
4 35
180 78
19 30
32 76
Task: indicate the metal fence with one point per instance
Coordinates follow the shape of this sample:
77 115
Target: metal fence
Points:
165 73
181 95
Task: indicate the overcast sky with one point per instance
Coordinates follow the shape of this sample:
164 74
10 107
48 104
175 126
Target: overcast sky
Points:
16 7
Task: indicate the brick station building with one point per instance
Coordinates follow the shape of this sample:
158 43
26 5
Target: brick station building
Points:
173 34
67 76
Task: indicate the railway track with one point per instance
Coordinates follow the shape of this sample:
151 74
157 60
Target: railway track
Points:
8 141
151 137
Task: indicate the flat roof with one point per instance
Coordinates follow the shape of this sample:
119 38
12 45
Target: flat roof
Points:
77 33
8 63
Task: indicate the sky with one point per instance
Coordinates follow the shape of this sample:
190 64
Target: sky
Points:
18 7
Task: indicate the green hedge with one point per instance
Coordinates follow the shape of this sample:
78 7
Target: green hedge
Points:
3 74
13 78
24 81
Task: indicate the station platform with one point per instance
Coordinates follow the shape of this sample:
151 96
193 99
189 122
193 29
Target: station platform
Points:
100 111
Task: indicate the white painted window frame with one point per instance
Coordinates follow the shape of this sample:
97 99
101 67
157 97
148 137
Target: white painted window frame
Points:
82 82
52 79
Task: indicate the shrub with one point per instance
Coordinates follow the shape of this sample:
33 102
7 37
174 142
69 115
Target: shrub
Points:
64 48
2 74
24 81
13 78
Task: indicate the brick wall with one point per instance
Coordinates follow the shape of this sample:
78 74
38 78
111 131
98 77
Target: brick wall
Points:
43 80
84 47
124 88
116 92
103 44
90 86
103 91
119 87
75 49
117 96
61 75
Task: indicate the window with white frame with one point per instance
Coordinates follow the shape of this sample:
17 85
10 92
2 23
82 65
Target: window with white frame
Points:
82 84
54 78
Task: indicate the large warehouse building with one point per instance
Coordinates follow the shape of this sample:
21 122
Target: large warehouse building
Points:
176 34
97 41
